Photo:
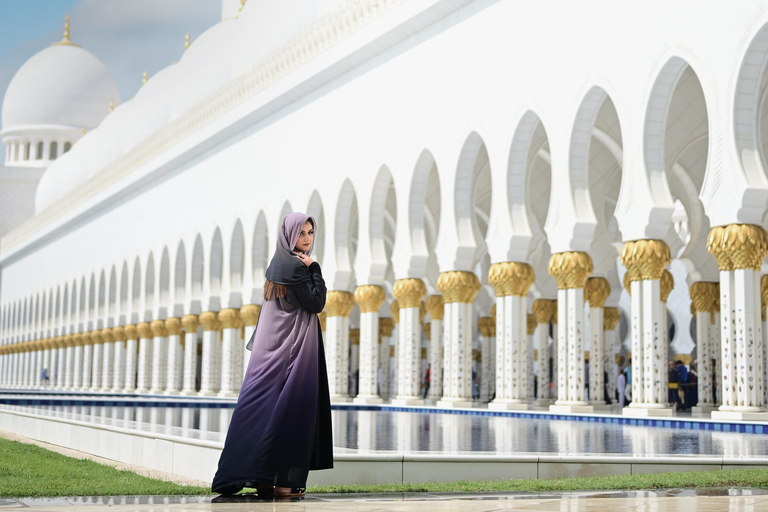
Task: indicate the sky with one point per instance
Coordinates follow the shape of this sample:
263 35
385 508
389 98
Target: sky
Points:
128 36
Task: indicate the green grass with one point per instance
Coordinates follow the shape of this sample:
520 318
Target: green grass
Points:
27 470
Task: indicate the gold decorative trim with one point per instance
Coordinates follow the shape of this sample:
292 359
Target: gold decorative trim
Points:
229 318
409 292
158 328
354 336
370 297
322 316
339 303
458 286
386 326
487 326
738 246
511 278
145 331
435 307
570 269
611 317
645 259
531 324
666 285
173 326
191 323
394 310
597 291
119 333
703 297
209 320
543 310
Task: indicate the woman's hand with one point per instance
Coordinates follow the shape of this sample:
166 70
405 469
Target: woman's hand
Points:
306 260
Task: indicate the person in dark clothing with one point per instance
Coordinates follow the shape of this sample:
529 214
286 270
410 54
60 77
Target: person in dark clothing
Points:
693 388
674 383
682 373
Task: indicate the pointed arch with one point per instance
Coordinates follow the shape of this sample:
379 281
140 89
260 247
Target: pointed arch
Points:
165 279
346 226
197 268
237 257
112 299
216 262
260 248
315 210
180 271
472 194
383 223
136 286
149 283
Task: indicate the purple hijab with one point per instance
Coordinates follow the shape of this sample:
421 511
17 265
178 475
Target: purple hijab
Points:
285 267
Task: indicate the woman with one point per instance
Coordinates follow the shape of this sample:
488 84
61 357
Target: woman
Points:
281 426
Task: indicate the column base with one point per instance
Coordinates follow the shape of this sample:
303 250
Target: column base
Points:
407 400
227 394
105 390
740 415
207 392
188 392
456 402
600 406
142 391
339 399
503 405
171 392
702 410
156 391
645 412
128 390
542 403
367 399
571 408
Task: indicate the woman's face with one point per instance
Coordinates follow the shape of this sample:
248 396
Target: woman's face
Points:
305 237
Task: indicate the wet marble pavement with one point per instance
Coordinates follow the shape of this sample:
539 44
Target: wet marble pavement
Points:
657 501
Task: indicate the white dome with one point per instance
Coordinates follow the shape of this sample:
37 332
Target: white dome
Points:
61 85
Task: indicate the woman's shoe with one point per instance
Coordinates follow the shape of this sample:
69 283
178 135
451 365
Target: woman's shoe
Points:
289 492
265 490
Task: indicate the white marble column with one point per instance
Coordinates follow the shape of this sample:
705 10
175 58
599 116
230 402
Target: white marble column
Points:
555 355
740 250
144 363
570 270
394 310
209 320
369 298
703 302
459 290
354 360
597 291
645 261
49 358
229 319
108 368
611 317
191 325
436 309
543 310
98 360
487 326
386 326
175 354
120 355
159 357
409 293
131 357
338 305
77 367
511 280
61 363
530 394
250 316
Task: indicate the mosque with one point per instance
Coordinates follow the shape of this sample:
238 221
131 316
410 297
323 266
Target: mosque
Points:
503 189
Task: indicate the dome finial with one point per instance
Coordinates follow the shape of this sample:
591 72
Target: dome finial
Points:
144 78
66 41
186 42
82 132
111 105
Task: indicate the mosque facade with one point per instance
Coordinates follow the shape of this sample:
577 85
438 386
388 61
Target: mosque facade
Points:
496 184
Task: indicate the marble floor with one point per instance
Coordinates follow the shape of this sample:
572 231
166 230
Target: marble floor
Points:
662 501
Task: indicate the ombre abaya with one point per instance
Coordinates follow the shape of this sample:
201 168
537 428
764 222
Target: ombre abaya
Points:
281 426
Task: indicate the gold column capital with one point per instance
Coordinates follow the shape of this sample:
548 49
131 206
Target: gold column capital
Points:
210 321
511 278
611 317
339 303
645 259
321 316
597 291
77 339
370 297
487 326
543 310
108 335
666 285
394 310
493 311
118 333
703 297
158 329
458 286
173 326
229 318
190 323
435 307
250 314
531 324
570 269
354 336
427 328
145 330
763 297
554 313
627 283
738 246
386 326
409 292
131 332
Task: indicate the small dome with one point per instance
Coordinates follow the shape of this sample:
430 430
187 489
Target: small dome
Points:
61 85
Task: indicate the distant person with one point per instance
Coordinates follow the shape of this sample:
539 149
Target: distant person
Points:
683 380
44 377
674 383
425 386
693 387
714 381
621 383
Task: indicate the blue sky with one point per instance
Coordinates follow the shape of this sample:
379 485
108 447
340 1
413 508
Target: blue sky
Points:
128 36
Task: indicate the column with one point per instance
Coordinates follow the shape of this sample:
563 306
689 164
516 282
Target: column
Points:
740 250
210 322
118 376
191 324
338 305
459 290
386 326
511 280
530 330
131 357
77 364
369 298
159 356
611 317
645 261
48 359
409 293
98 360
703 302
230 372
175 354
764 318
61 371
394 310
250 317
108 368
543 310
487 327
436 309
715 344
570 270
597 291
555 355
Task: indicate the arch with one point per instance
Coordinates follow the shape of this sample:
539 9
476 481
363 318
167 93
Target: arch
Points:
260 247
424 203
180 270
124 290
287 208
197 268
165 278
102 299
346 226
217 258
83 298
112 301
136 286
149 283
749 101
65 305
472 193
315 210
237 257
383 220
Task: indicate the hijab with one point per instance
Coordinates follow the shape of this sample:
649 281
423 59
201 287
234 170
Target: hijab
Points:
285 268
